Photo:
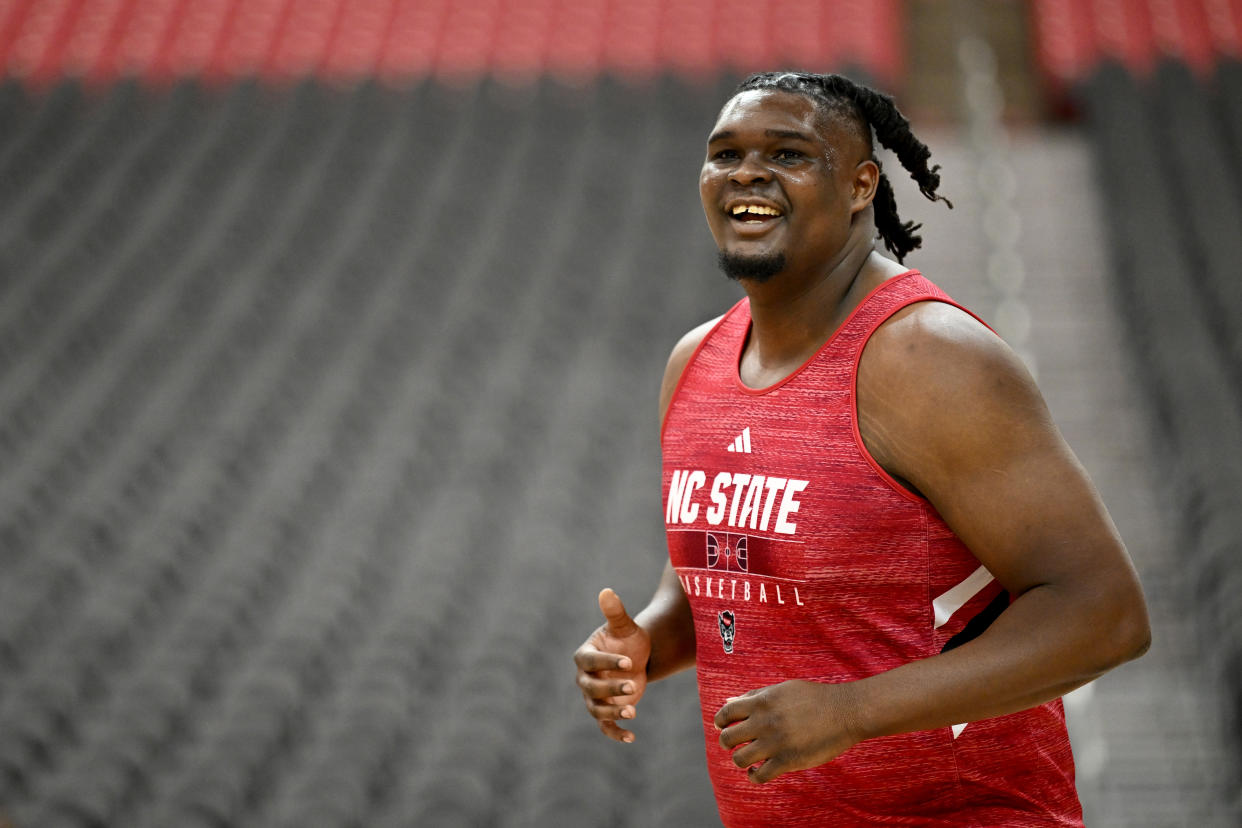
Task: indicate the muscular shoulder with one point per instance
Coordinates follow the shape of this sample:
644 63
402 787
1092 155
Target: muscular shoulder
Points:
679 359
946 406
936 336
936 389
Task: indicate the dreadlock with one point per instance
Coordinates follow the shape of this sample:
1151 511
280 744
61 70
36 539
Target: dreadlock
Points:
867 110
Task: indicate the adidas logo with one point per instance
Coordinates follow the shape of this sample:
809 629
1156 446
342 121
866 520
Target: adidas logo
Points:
741 443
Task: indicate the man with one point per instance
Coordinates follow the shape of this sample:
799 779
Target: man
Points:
885 563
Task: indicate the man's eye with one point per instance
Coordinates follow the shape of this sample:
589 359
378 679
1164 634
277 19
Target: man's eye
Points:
788 155
724 155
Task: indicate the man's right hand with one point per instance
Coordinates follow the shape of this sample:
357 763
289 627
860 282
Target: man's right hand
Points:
612 667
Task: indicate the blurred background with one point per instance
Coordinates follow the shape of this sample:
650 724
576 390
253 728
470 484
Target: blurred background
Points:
330 339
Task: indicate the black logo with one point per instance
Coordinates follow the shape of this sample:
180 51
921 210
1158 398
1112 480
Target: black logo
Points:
727 629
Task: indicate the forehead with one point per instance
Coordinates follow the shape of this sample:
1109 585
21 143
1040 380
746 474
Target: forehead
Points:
765 109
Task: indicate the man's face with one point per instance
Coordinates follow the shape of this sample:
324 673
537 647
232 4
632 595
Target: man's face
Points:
777 183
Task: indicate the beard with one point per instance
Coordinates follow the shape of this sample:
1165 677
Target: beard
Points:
759 268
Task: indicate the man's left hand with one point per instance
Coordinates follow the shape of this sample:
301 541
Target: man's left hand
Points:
789 726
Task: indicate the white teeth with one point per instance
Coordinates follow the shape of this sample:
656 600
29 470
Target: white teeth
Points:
757 209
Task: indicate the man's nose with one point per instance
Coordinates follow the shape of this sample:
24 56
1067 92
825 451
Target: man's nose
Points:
750 170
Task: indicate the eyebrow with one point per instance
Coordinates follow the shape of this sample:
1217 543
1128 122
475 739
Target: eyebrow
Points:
792 134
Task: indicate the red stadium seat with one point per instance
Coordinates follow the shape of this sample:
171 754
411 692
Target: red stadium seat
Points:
400 40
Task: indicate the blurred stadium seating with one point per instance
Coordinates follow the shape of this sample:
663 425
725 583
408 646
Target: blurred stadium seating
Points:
330 336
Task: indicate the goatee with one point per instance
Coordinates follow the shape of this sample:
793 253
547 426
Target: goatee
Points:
758 268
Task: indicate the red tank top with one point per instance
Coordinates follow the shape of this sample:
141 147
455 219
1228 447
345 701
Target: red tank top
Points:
803 559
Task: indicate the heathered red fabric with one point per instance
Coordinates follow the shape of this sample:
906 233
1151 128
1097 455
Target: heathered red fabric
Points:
807 561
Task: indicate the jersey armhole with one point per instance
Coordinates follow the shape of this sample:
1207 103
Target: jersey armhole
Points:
858 439
681 380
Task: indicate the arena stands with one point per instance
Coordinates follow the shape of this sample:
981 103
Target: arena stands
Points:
330 336
1161 88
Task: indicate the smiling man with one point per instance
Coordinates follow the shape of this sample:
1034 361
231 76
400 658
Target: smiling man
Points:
884 561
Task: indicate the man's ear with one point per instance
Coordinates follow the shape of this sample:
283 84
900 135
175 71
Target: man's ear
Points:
866 179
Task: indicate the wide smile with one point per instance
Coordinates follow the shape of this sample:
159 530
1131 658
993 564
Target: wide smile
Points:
753 218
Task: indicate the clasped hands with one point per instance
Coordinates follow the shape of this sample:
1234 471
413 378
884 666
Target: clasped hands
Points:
770 731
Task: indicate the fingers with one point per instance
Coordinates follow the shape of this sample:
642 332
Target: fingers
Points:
765 772
738 734
607 698
612 731
609 692
748 754
751 753
590 660
604 688
733 710
608 710
619 622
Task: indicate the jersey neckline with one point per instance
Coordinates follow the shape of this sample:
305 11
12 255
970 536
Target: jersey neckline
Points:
741 344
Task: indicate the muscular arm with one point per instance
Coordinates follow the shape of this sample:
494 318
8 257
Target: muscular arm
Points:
946 406
667 617
948 409
621 656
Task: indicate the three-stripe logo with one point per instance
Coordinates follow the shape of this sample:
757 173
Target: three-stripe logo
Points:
741 443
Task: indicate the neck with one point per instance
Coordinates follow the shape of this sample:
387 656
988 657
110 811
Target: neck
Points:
793 314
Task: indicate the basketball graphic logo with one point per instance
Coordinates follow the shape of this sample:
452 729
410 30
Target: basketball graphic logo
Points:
727 629
732 557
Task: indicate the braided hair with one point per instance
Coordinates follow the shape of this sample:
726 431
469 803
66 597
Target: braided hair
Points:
867 110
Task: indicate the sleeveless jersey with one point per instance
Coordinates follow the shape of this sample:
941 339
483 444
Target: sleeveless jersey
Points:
803 559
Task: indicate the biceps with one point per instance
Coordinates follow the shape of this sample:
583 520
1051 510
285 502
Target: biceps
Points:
1031 516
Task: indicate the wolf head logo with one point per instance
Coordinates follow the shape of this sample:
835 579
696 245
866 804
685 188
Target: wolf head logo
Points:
728 629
